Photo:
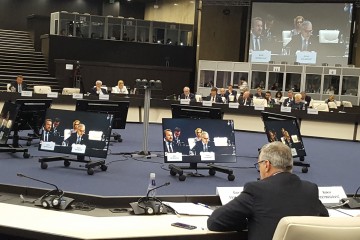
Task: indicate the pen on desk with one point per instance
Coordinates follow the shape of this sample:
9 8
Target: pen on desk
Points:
201 204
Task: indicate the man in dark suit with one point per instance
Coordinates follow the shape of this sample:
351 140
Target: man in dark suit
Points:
305 98
263 203
214 97
270 101
298 103
223 96
304 41
169 146
204 145
287 102
257 43
47 134
98 89
259 93
19 85
187 94
79 137
245 99
231 92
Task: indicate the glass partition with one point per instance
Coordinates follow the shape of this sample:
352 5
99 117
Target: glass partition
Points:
276 81
350 85
258 80
186 35
240 80
172 34
129 30
97 27
223 79
158 32
66 24
114 28
331 84
293 81
207 78
312 83
82 24
142 31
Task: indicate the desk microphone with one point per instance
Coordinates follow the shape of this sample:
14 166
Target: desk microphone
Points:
22 175
171 96
165 184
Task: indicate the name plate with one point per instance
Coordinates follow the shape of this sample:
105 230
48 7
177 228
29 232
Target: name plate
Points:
306 57
174 157
48 146
26 93
104 97
231 98
285 109
227 194
78 148
261 56
207 103
185 101
207 156
233 105
259 107
312 111
293 152
331 194
78 96
53 95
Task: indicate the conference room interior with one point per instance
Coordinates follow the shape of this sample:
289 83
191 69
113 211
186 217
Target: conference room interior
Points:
220 35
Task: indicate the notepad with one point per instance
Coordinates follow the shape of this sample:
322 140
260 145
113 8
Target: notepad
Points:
183 208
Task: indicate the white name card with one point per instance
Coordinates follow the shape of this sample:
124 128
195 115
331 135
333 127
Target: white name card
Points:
207 103
332 71
78 148
48 146
261 56
185 101
174 157
53 95
227 194
69 66
312 111
26 93
259 107
306 57
233 105
276 69
331 194
78 96
207 156
104 97
285 109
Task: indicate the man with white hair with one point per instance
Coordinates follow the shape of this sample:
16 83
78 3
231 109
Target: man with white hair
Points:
304 41
262 204
187 94
98 90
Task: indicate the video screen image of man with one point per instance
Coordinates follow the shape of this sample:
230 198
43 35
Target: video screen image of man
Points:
204 145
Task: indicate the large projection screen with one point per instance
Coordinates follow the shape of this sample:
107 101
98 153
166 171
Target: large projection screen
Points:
323 34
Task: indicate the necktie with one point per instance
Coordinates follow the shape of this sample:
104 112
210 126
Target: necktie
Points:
257 44
78 140
213 99
20 89
170 147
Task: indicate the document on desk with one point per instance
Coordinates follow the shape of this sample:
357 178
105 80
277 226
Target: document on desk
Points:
184 208
342 212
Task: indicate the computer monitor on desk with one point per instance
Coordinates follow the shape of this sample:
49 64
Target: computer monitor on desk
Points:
195 112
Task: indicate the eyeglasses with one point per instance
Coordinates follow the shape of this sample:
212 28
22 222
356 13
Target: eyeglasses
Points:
258 163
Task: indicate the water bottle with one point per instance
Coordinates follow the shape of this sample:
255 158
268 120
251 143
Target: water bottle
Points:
152 185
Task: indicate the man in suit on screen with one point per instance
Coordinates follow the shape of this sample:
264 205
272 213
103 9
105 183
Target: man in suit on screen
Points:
204 145
79 137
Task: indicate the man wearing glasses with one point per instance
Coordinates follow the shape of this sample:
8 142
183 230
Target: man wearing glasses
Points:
262 204
304 41
79 137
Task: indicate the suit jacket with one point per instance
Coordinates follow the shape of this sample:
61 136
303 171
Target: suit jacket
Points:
263 43
191 96
226 98
173 146
49 138
307 100
16 86
296 44
287 102
93 91
217 99
244 102
73 138
262 204
297 106
234 93
199 147
259 96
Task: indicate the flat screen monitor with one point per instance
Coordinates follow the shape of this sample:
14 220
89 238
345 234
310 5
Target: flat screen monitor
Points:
286 129
196 112
31 113
7 120
119 110
198 140
77 133
278 30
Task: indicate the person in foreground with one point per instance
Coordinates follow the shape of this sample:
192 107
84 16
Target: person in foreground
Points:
262 204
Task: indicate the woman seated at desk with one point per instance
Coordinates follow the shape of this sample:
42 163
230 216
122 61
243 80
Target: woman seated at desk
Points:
120 88
331 99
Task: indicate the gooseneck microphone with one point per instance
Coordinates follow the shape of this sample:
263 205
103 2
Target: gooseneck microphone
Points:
22 175
147 195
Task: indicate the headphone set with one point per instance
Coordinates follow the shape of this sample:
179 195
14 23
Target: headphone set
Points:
52 199
148 206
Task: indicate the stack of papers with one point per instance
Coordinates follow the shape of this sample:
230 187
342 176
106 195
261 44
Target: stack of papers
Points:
189 208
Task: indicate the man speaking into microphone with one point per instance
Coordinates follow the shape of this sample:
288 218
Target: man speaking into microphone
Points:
262 204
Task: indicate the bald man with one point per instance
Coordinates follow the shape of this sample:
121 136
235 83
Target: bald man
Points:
187 94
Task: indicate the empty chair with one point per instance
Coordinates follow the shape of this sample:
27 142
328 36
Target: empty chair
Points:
346 103
42 89
70 91
337 65
329 36
314 228
332 105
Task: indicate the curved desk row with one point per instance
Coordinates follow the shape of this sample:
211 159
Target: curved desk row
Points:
335 125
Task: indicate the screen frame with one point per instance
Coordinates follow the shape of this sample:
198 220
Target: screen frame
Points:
196 112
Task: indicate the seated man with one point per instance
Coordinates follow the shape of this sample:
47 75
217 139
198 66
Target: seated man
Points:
213 97
245 99
223 96
98 90
204 145
287 102
259 93
79 137
231 92
120 88
169 145
305 98
19 85
297 103
47 134
187 94
270 101
262 204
